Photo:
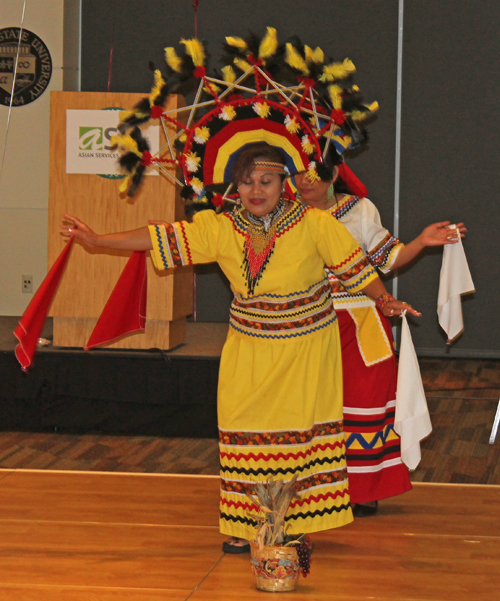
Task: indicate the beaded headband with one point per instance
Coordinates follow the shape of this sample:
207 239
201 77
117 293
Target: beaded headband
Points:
268 166
287 95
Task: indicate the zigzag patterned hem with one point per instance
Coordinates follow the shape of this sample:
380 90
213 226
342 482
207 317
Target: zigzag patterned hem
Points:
279 470
302 515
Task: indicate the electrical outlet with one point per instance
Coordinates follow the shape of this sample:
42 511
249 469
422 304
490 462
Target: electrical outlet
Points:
27 283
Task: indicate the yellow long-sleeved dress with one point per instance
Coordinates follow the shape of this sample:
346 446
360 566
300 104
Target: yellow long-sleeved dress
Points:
279 413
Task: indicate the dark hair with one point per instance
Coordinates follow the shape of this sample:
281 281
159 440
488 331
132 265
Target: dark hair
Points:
244 163
332 159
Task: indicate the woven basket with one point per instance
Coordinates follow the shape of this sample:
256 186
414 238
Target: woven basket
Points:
275 569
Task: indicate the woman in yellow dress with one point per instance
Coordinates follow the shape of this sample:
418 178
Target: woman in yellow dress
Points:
278 414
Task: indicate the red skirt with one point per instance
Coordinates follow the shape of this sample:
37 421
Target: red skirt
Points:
373 448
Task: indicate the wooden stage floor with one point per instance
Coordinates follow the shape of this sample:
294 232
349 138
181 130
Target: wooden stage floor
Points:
81 536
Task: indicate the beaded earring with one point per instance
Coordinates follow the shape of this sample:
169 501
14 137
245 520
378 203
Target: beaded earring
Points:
331 192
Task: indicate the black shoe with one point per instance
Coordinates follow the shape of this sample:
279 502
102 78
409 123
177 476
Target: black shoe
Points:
227 547
359 510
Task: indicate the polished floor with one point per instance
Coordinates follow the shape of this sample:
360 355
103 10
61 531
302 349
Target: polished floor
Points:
90 517
80 536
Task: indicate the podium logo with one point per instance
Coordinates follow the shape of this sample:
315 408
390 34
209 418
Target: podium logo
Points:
96 138
90 138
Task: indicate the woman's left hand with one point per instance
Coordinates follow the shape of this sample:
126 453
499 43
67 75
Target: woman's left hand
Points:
439 234
396 307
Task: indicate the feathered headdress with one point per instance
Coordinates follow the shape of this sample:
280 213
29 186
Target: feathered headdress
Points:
284 94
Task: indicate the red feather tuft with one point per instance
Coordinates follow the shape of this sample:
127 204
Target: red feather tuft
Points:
156 111
147 159
218 200
338 116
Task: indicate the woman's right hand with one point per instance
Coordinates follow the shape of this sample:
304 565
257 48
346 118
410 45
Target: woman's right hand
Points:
79 230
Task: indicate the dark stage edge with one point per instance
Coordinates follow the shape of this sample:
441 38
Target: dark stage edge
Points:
154 393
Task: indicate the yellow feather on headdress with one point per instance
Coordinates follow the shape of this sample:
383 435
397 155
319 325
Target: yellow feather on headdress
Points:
228 74
269 43
213 89
358 115
293 58
242 64
201 134
237 42
362 115
126 143
318 55
312 174
194 48
123 187
173 61
197 185
291 124
335 92
156 90
262 109
314 56
227 113
192 162
124 115
338 70
307 145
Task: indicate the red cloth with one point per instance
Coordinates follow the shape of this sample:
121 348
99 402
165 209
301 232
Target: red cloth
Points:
373 455
354 184
30 324
125 310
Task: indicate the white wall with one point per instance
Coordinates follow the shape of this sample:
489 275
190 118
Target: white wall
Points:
24 151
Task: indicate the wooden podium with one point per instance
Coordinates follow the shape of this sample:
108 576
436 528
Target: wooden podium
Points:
91 274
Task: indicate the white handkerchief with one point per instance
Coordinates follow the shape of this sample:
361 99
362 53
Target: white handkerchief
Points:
412 421
454 281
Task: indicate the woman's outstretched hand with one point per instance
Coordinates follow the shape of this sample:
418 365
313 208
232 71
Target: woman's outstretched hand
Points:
79 230
156 222
396 307
439 234
138 239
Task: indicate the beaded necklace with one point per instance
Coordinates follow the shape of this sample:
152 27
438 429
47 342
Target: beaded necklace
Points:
259 244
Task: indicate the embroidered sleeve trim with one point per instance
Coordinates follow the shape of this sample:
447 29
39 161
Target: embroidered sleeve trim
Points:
380 256
355 272
188 260
167 246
